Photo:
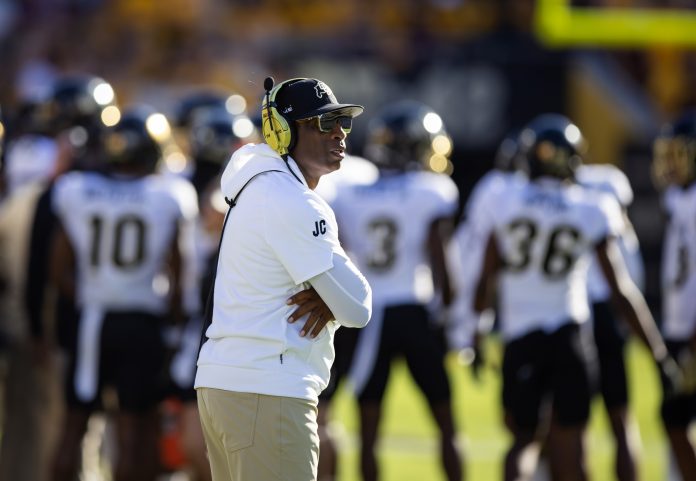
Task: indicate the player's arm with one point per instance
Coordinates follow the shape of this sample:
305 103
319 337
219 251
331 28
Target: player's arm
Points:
62 263
628 299
484 297
439 231
341 293
485 288
174 264
37 275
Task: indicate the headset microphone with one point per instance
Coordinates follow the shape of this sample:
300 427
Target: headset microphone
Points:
268 85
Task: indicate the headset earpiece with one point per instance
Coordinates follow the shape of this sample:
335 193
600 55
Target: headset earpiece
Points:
278 132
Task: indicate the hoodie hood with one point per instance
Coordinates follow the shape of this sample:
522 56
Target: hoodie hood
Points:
248 161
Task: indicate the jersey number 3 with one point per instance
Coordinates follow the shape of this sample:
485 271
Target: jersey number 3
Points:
382 233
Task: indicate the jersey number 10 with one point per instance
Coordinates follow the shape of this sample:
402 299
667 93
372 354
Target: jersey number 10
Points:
128 241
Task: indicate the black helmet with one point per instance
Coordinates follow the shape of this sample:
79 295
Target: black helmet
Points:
551 145
408 135
138 138
82 100
194 102
674 152
215 134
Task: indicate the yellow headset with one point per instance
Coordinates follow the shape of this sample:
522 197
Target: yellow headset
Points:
278 132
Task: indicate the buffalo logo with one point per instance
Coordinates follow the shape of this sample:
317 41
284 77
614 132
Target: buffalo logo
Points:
321 88
319 228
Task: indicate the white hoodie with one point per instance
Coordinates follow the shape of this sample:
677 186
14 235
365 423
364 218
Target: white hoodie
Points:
279 235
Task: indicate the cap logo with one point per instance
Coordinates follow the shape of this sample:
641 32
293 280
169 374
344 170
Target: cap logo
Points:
321 88
287 109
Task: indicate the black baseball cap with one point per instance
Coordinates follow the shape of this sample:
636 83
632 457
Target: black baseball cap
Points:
309 97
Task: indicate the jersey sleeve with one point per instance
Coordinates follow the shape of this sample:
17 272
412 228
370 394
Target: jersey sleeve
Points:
185 196
301 229
604 220
187 204
63 191
622 187
483 216
443 195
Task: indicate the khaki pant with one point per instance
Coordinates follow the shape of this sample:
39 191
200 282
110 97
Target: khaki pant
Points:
255 437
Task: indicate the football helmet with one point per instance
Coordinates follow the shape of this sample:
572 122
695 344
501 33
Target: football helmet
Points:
551 145
215 134
82 100
408 135
674 152
139 138
195 102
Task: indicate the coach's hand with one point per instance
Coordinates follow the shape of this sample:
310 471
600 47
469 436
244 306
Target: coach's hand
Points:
309 302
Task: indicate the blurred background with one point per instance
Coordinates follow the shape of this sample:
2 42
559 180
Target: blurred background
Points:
618 68
487 66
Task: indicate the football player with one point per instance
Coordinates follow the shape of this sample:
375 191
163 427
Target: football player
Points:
123 252
674 168
396 236
354 171
77 109
542 236
213 135
72 115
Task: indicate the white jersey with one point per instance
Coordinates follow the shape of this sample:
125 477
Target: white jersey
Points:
679 265
469 237
385 228
354 171
546 233
122 231
466 250
608 179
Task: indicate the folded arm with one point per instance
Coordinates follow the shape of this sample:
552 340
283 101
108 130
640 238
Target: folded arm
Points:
341 293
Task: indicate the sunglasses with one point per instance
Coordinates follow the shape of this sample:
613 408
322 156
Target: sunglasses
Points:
328 121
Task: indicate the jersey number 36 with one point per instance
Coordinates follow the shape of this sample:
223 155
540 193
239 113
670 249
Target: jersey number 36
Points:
558 254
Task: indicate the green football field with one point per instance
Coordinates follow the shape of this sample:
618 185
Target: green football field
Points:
408 451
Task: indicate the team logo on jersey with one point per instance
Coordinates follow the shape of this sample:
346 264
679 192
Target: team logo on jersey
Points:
319 228
321 88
